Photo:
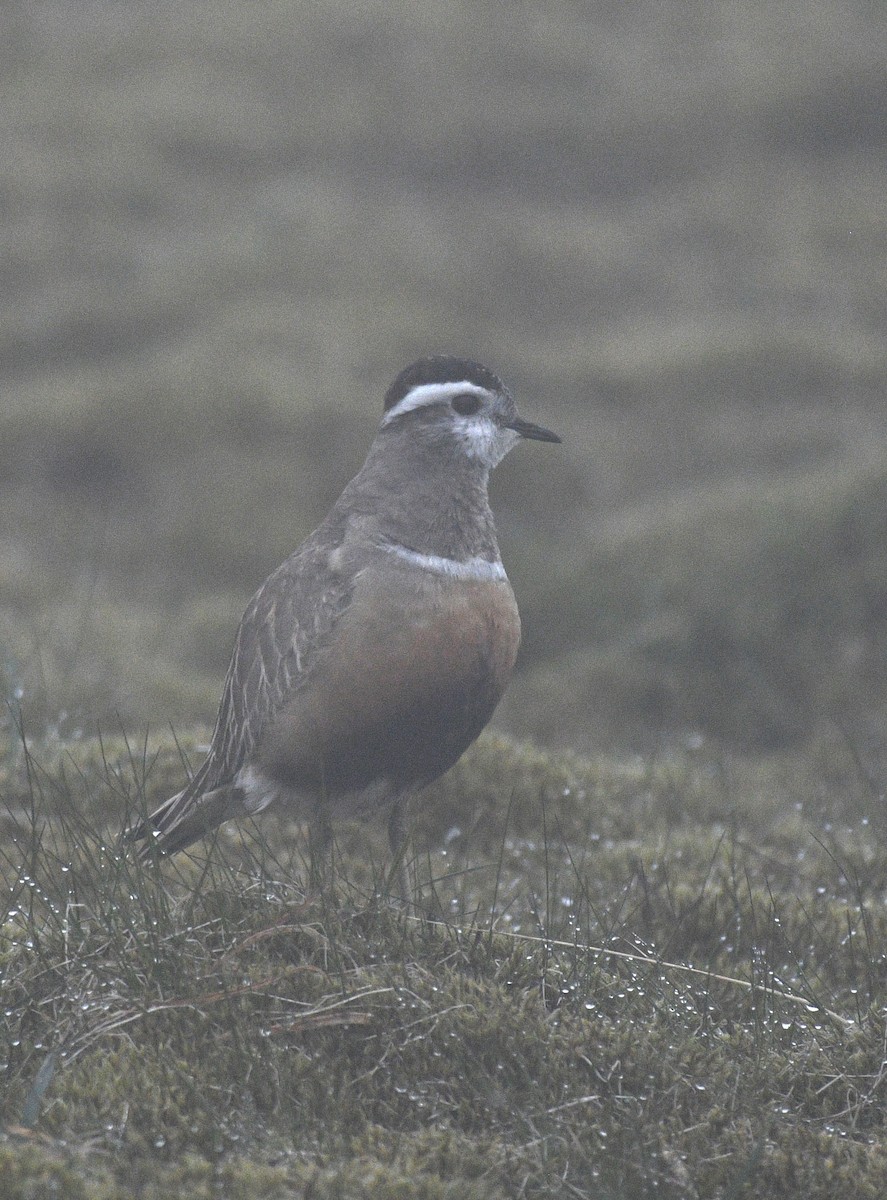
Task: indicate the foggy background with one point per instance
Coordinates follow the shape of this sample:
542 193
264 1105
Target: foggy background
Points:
226 227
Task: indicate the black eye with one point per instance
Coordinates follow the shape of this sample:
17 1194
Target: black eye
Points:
466 405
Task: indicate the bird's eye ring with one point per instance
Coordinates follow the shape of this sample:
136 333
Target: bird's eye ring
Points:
466 405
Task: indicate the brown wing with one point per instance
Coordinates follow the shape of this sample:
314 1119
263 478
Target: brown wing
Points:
286 624
288 620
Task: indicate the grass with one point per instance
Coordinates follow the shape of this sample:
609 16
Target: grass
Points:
621 980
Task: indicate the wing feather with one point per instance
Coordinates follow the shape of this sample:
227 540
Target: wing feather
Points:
287 622
285 626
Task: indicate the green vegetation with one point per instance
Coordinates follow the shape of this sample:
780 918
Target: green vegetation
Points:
224 229
534 1028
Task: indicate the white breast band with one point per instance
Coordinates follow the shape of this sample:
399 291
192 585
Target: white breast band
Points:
456 568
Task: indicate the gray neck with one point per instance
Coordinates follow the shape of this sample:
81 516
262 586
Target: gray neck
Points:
424 493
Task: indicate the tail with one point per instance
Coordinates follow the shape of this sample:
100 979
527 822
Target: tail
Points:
184 818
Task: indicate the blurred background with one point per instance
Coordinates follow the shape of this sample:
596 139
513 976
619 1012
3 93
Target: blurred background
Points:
226 227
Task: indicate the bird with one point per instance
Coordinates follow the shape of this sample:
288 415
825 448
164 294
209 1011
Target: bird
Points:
371 658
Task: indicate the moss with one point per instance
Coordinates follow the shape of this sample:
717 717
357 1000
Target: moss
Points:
536 1020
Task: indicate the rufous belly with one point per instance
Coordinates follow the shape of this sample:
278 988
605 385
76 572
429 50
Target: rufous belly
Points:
412 674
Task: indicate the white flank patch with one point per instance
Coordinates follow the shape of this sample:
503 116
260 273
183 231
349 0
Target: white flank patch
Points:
455 568
258 790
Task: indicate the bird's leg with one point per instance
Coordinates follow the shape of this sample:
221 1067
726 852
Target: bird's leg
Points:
320 840
398 839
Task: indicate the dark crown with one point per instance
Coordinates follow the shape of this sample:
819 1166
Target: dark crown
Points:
440 368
